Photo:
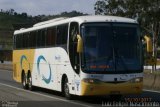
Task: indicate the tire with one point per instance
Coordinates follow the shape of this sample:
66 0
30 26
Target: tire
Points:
24 81
29 80
66 90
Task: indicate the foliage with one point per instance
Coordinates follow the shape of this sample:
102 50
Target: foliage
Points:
10 17
146 12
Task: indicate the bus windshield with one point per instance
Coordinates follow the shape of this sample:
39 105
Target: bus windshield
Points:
111 48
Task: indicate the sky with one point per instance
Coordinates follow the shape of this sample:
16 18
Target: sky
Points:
48 7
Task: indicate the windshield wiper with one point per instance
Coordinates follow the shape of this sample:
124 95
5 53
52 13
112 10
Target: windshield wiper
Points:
121 58
114 58
116 54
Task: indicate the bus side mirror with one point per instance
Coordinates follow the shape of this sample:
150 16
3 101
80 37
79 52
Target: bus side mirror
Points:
79 44
149 43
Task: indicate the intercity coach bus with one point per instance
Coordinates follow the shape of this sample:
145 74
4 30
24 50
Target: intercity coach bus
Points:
83 56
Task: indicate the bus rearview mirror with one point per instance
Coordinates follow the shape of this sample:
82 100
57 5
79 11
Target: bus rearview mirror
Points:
79 44
149 43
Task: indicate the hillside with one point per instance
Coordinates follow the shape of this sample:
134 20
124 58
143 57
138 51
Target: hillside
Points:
10 17
6 20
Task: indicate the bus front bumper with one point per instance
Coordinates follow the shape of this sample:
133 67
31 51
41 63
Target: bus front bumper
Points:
91 89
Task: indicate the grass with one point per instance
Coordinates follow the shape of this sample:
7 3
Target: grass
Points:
158 62
157 72
6 21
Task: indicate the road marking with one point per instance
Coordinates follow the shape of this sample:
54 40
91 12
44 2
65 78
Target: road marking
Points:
68 101
151 91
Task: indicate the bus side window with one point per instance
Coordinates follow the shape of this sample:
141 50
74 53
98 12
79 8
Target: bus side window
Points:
62 32
25 40
32 39
74 57
16 41
41 34
38 38
43 38
51 36
19 41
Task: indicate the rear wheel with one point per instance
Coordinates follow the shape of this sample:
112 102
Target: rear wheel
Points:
29 79
24 81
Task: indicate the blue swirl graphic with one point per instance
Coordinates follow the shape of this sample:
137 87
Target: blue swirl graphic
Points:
46 80
23 57
49 79
38 61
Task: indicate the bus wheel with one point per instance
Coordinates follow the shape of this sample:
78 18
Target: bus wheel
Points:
66 89
24 81
29 79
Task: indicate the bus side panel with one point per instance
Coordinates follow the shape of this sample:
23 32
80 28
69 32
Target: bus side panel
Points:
22 61
16 66
47 67
50 65
64 68
44 69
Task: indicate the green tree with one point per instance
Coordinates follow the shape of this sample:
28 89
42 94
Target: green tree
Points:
146 12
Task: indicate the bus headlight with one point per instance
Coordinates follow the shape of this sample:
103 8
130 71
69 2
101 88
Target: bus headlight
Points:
91 80
136 80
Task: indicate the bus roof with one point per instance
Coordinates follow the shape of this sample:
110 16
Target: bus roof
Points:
79 19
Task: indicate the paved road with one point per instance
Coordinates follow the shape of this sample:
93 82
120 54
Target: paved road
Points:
12 94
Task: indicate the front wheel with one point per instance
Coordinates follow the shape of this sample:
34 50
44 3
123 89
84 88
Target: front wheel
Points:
66 90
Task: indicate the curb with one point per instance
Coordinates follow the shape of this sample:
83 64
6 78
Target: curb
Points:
6 66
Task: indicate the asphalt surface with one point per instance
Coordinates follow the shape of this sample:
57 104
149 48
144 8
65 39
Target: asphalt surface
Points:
12 95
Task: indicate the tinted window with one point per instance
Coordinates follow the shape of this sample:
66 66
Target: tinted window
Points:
114 45
51 36
25 40
62 32
74 58
16 41
19 41
41 38
32 39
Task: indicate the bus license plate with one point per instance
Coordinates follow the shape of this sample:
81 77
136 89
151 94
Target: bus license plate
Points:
115 92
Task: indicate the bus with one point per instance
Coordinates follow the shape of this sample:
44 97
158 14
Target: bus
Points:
82 56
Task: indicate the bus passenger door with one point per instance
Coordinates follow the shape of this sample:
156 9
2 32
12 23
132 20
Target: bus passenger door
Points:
74 56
